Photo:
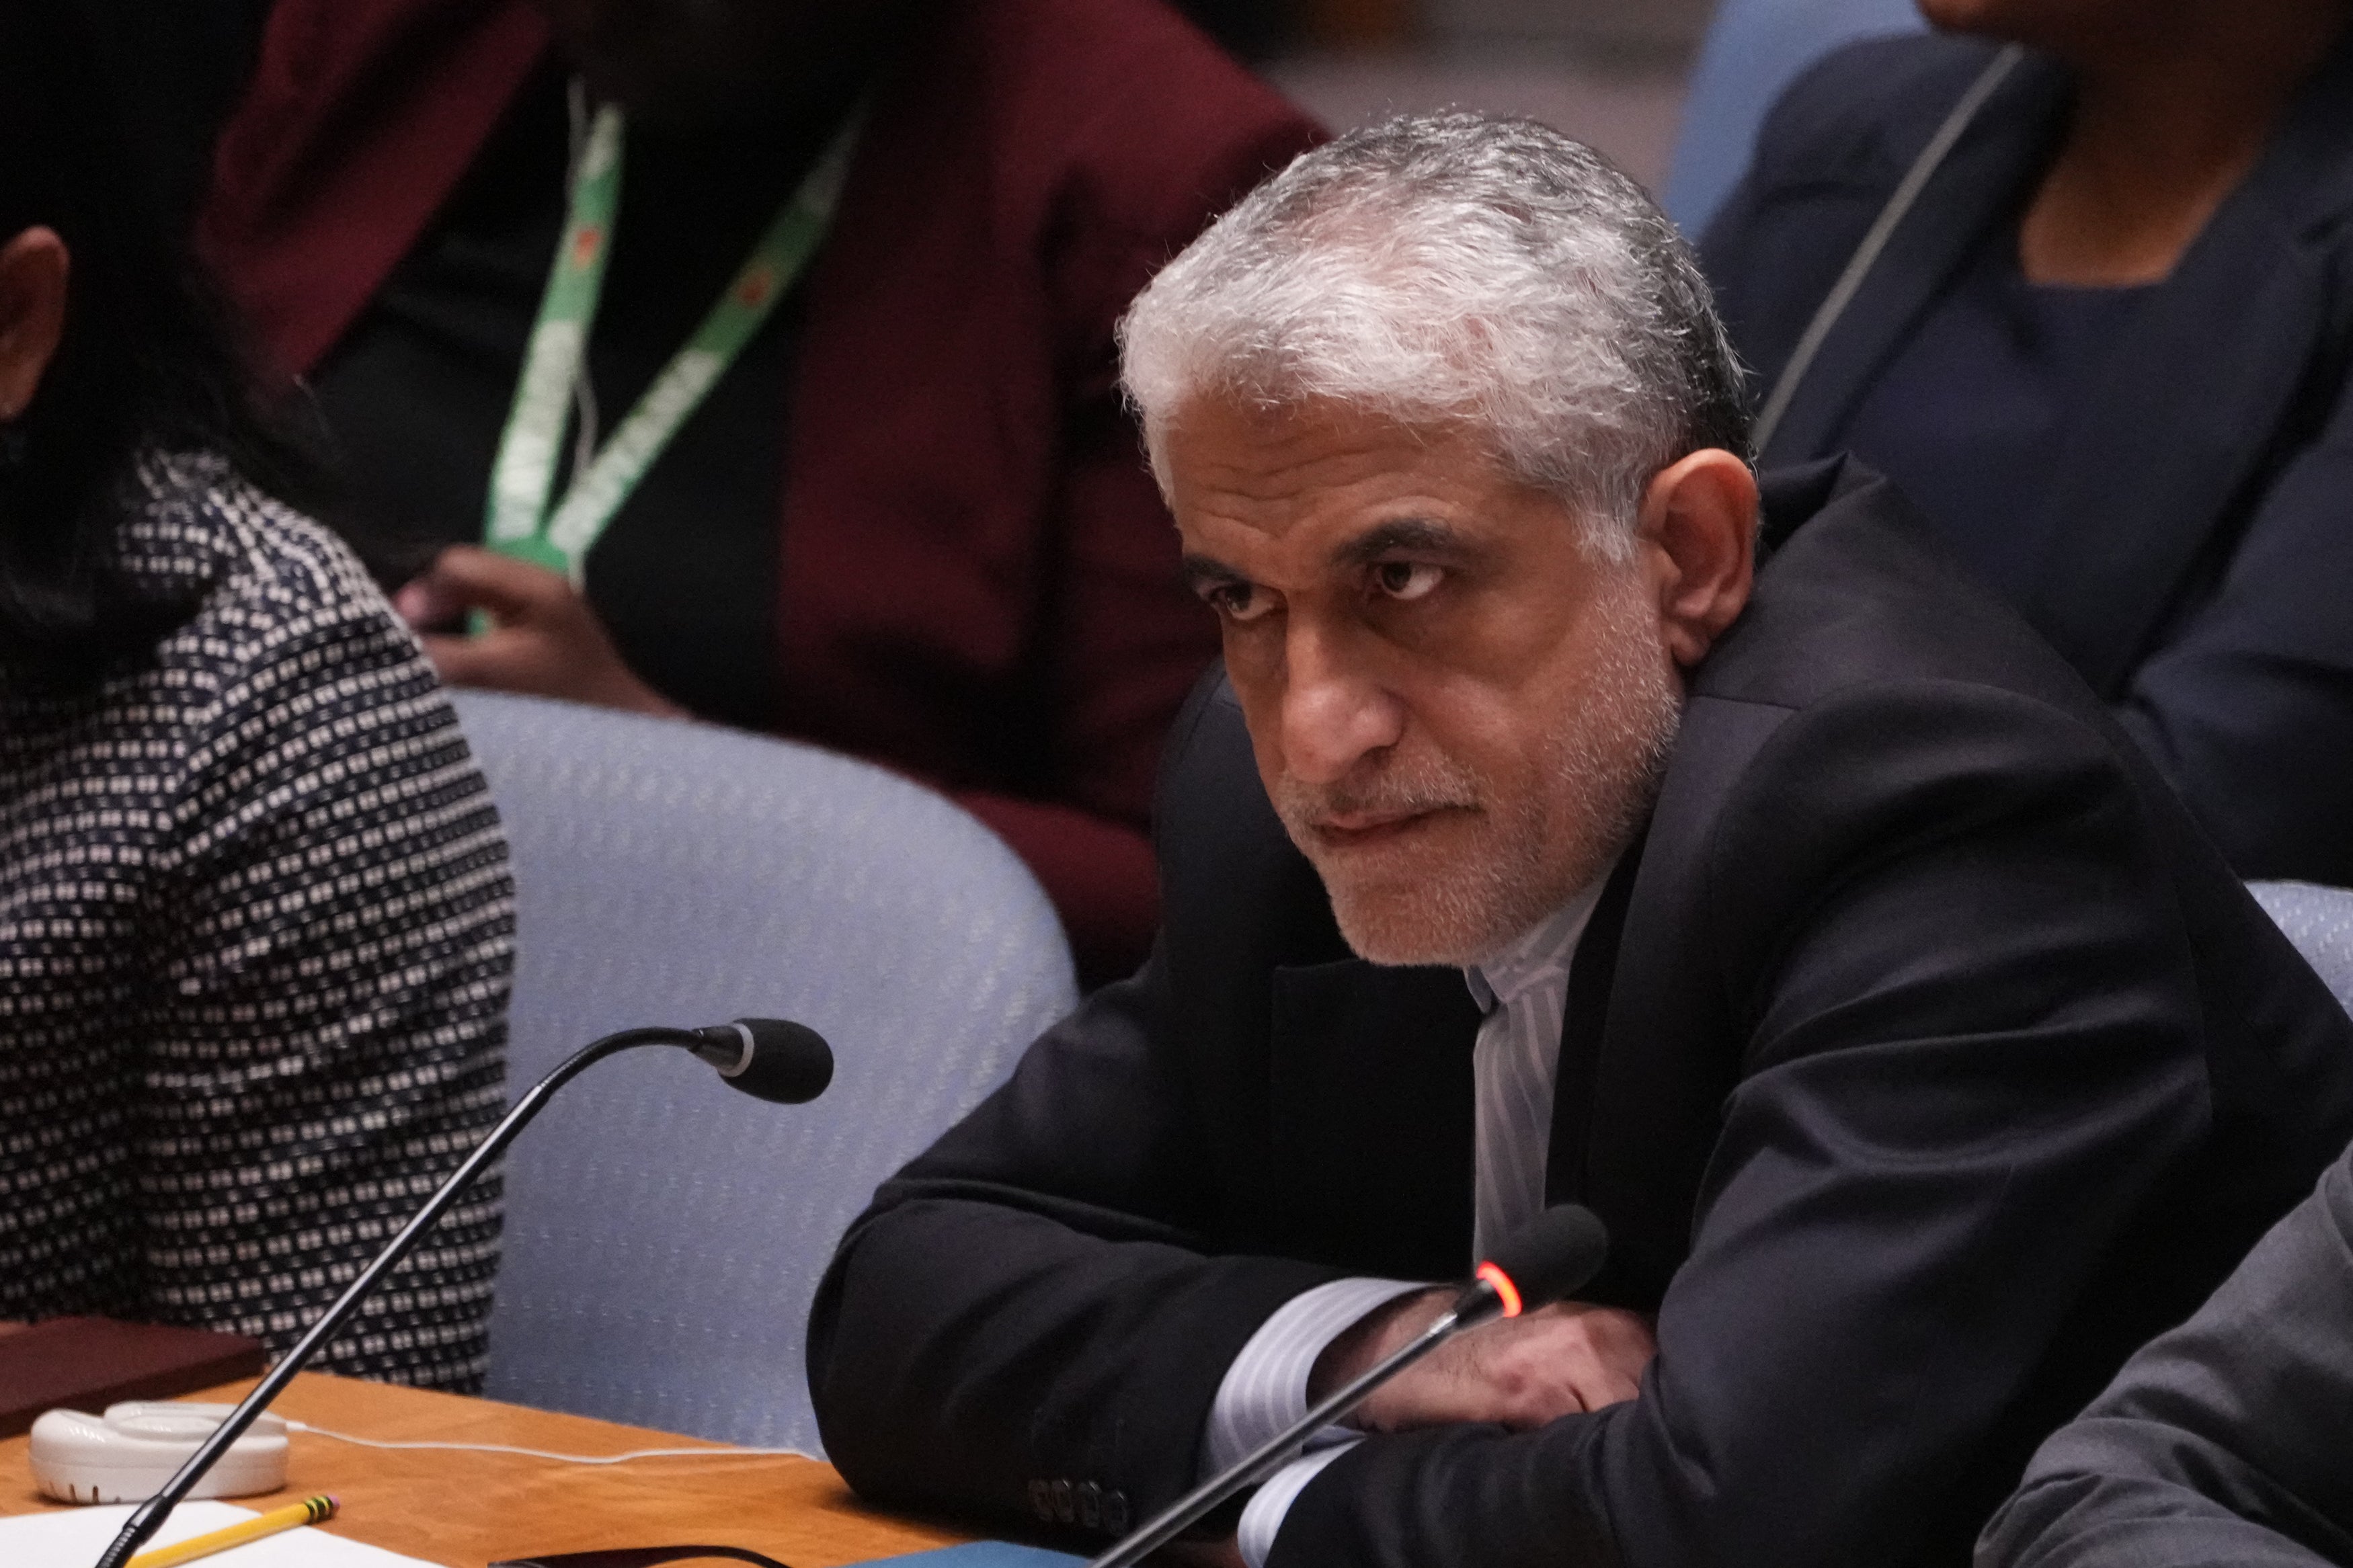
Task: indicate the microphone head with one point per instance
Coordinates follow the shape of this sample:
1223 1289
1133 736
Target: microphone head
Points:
1548 1258
773 1059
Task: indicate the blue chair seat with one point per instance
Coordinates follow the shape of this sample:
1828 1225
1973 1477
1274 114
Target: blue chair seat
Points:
664 1233
1753 50
2319 920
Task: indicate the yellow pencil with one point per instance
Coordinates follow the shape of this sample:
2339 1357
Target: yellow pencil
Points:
310 1510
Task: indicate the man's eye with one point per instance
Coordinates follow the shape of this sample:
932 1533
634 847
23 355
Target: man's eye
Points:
1406 579
1238 601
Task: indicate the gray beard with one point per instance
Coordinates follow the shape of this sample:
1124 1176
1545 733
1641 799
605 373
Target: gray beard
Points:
1607 756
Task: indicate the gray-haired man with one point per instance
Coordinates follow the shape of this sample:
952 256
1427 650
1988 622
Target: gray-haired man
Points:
1820 933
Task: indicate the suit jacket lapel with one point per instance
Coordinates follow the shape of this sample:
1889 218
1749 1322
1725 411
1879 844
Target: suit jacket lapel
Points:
1592 973
1986 171
2201 399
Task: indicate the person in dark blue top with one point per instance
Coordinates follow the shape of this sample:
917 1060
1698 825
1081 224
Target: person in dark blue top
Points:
2105 351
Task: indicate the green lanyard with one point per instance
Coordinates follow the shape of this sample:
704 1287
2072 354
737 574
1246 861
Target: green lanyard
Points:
517 521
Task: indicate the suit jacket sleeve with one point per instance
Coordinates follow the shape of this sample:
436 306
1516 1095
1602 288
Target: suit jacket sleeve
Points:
1951 960
1039 1298
2225 1441
1031 1300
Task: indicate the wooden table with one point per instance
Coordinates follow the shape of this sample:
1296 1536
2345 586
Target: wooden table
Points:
464 1510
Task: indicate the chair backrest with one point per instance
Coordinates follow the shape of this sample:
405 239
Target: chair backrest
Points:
664 1233
1755 49
2319 920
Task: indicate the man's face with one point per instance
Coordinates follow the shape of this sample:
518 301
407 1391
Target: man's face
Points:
1458 711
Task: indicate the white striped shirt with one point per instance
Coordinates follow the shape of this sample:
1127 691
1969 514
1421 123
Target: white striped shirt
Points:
1524 990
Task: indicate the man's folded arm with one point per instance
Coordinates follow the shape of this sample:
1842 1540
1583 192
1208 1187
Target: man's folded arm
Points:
1968 1056
1024 1322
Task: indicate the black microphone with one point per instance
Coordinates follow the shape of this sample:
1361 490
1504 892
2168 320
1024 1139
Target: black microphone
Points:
766 1057
769 1058
1538 1264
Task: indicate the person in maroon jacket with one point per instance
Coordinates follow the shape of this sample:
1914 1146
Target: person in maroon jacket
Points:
822 437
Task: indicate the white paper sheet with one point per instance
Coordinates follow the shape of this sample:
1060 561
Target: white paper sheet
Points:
73 1538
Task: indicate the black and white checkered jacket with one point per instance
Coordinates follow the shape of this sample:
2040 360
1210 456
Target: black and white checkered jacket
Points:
256 933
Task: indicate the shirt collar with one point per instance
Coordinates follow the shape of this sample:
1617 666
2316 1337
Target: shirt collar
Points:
1542 952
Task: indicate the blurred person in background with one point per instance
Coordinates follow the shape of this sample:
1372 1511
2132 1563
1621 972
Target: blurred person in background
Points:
2222 1441
820 435
2105 352
256 925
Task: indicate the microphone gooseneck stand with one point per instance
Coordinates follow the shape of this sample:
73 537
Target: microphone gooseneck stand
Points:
1551 1255
730 1047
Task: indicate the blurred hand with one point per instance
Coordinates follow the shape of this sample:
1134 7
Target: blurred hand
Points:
1522 1372
1200 1554
544 639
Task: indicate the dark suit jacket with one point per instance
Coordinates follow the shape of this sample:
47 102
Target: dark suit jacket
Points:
978 583
1924 1061
2229 1440
2204 557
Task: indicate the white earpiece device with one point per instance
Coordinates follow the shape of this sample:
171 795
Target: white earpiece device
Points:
126 1455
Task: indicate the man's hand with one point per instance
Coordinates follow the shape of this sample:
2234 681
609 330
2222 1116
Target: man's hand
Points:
1200 1554
544 639
1521 1371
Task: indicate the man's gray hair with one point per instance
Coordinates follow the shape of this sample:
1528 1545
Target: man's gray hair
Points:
1449 269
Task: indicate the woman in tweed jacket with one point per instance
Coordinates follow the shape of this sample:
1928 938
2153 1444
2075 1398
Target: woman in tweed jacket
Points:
256 926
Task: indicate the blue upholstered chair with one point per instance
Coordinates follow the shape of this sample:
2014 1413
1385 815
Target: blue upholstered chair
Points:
2319 920
1754 49
664 1233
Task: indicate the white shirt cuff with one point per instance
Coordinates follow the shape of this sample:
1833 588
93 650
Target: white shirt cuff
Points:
1266 1388
1263 1518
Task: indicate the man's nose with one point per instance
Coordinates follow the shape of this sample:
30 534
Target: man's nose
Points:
1333 712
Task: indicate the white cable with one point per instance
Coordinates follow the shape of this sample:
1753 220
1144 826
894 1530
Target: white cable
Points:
562 1458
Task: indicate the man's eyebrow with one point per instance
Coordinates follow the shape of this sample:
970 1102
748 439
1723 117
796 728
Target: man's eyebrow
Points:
1418 533
1205 572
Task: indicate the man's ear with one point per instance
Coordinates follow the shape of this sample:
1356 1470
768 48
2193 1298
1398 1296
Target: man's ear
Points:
33 271
1698 537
